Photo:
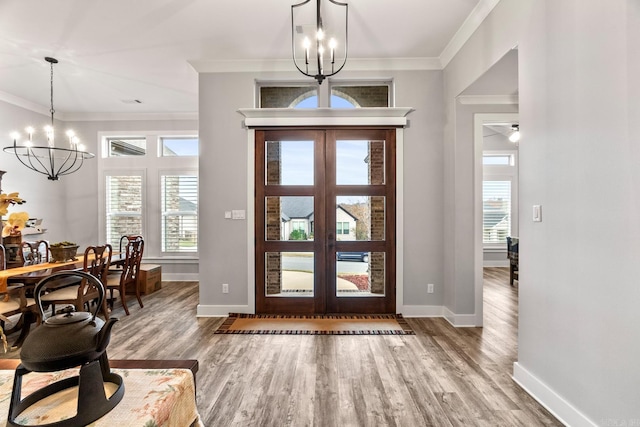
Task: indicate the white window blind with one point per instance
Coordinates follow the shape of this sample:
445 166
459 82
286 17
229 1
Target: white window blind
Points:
179 202
496 208
123 207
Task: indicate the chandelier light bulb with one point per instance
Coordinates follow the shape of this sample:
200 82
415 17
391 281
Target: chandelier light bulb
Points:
515 135
80 146
320 35
15 136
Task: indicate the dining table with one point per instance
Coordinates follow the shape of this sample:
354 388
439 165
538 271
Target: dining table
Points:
30 275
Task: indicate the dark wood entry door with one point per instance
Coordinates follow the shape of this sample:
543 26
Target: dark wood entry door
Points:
325 220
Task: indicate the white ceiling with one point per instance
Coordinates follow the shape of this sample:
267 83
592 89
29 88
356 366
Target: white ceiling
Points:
121 50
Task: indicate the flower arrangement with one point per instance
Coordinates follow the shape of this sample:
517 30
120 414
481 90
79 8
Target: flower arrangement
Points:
17 220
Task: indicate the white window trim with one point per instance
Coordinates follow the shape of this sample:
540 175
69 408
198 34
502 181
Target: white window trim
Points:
154 163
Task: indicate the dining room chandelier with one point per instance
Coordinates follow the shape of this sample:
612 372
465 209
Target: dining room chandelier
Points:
319 49
48 158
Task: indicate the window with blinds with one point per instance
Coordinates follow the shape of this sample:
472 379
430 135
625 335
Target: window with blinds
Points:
179 204
496 210
123 207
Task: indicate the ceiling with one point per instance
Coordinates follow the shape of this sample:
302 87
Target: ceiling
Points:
114 52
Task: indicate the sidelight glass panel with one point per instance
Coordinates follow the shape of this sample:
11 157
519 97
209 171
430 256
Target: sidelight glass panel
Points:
360 218
289 274
289 218
289 163
360 274
359 162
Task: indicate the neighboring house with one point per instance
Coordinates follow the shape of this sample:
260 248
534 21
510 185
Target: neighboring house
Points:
297 214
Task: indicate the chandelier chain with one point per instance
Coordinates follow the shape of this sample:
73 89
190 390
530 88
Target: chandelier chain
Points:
52 111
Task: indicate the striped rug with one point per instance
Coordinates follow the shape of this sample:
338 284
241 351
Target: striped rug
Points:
277 324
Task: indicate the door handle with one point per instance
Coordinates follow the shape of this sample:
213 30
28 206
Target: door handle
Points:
331 240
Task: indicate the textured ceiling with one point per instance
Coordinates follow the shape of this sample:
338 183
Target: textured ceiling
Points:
122 50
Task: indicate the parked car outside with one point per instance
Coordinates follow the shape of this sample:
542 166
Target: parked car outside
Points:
353 256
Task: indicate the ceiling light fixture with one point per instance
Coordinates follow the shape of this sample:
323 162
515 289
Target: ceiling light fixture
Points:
515 133
315 46
53 161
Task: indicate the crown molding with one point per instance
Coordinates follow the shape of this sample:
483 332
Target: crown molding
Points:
23 103
371 116
488 99
106 117
279 65
466 30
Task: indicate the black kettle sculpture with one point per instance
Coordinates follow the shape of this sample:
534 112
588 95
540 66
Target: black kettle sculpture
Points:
65 341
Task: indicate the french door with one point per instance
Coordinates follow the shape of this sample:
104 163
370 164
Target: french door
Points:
325 220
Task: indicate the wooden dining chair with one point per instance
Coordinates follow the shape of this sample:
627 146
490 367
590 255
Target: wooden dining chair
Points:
127 277
96 262
13 302
36 252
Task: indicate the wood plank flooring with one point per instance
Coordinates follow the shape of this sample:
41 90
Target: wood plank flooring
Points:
442 376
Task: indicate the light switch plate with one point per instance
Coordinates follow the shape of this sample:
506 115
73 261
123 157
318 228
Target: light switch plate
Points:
227 214
238 214
537 213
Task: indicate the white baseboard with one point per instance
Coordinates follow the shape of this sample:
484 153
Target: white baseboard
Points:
553 402
221 310
180 277
495 263
421 310
459 320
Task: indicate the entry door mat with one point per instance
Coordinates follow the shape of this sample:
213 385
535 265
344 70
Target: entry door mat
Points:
278 324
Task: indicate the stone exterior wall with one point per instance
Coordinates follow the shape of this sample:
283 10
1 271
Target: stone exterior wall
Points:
377 215
273 261
284 97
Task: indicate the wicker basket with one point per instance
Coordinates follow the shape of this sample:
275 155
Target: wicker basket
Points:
63 253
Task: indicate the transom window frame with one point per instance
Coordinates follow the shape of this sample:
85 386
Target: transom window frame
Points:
324 91
152 164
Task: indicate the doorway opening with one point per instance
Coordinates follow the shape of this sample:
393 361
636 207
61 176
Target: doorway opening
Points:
495 196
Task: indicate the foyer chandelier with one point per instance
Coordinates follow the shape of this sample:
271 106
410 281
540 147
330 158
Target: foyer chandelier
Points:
319 49
48 158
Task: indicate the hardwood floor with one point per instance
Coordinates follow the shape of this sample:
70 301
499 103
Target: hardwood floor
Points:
442 376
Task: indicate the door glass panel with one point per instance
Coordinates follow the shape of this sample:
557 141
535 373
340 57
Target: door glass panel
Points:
289 163
360 218
360 274
289 218
289 274
359 162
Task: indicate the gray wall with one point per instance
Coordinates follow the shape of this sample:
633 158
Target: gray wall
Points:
580 115
224 167
579 343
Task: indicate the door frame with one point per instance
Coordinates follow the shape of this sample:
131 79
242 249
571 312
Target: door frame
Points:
256 117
